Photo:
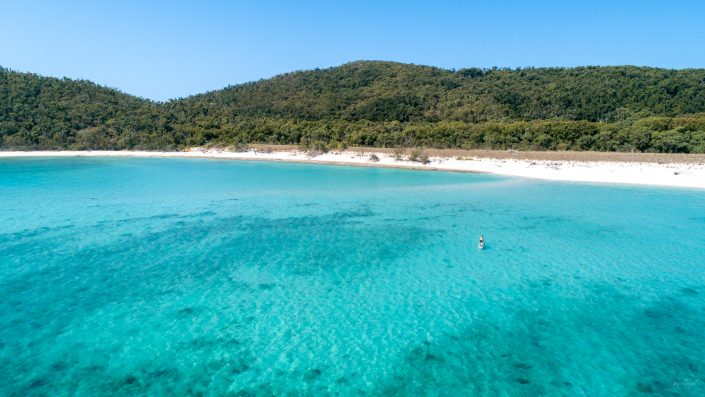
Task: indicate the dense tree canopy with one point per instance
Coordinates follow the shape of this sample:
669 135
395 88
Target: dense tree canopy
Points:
383 104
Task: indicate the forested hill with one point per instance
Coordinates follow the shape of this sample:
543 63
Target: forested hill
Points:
375 104
44 112
384 91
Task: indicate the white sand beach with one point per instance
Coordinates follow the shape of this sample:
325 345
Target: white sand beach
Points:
675 174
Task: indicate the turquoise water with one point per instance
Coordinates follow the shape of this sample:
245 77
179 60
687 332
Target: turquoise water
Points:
201 277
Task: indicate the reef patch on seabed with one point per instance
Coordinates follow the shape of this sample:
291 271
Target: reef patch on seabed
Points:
600 343
71 338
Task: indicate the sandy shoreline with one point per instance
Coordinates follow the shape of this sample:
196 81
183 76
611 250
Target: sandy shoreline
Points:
677 174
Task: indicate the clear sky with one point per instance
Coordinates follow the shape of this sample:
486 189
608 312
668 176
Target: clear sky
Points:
166 49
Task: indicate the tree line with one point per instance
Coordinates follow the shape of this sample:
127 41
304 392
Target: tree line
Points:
381 104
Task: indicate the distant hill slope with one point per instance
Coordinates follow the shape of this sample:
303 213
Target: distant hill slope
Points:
46 112
378 104
386 91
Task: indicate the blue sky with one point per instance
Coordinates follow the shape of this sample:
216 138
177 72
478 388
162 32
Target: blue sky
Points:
168 49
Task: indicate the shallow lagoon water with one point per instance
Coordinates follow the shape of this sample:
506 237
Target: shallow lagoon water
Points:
201 277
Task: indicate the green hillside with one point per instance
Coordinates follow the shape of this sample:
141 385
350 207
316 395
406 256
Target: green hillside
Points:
367 103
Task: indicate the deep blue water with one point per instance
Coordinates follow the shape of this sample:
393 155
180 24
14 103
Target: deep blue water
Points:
202 277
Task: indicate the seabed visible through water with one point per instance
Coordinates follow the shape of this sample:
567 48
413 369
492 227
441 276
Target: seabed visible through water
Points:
185 277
